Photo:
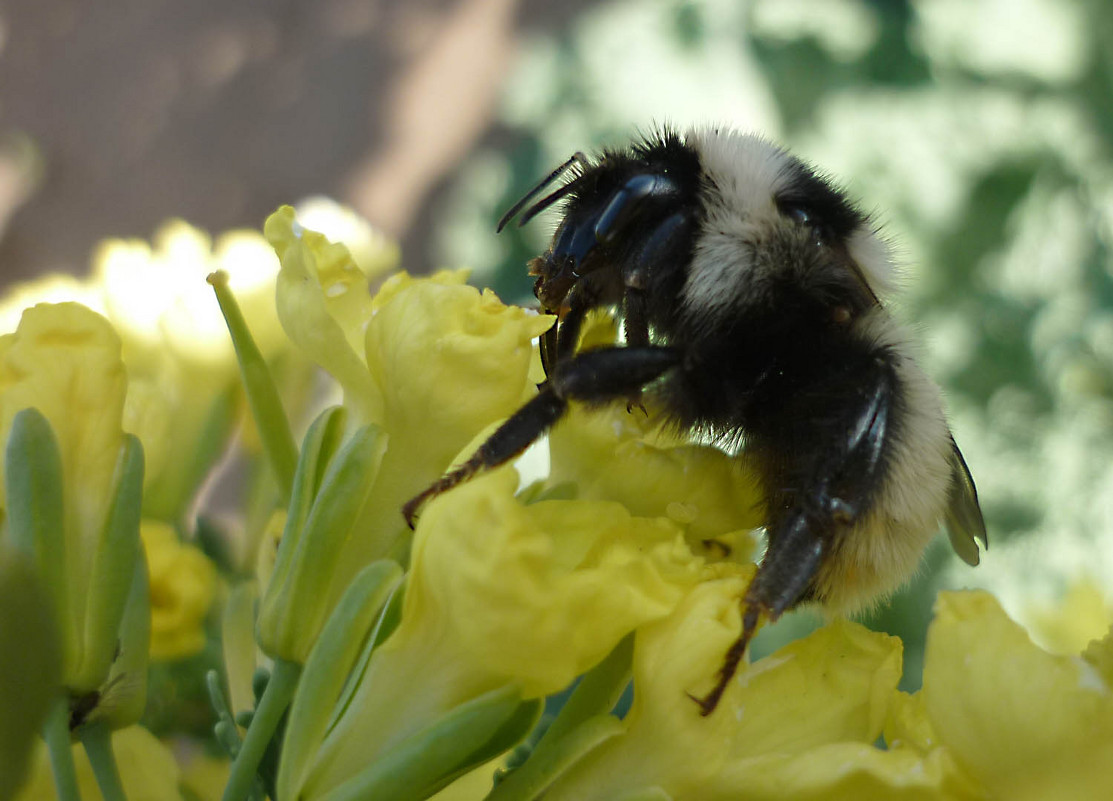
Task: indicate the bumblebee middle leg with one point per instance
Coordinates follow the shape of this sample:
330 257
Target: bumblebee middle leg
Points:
595 376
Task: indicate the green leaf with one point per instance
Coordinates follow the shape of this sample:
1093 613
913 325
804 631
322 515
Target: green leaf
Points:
262 394
583 723
335 510
33 487
329 664
128 675
114 568
317 449
596 694
545 765
31 668
384 626
296 604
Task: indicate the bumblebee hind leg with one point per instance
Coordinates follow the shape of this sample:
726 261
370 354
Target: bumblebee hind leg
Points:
835 492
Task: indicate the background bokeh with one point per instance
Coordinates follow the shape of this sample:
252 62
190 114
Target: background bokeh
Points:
978 132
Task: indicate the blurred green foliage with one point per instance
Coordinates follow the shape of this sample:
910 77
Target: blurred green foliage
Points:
980 135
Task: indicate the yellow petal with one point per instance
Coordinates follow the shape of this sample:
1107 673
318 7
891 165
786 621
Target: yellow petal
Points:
835 684
907 725
1021 722
613 454
1067 627
373 252
324 305
831 687
53 288
540 593
838 771
504 594
451 361
65 361
667 743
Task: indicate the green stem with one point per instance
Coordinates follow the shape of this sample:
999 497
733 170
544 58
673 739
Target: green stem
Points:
56 733
262 394
268 713
97 739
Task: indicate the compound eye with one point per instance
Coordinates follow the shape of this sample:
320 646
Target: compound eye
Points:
802 216
798 214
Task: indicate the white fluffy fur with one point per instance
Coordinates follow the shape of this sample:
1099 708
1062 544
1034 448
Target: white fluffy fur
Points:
874 257
748 171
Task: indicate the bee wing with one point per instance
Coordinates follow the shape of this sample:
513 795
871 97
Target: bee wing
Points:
963 516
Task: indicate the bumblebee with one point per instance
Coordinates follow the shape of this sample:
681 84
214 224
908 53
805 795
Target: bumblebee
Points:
750 290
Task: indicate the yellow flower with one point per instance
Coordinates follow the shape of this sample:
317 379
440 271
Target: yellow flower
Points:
182 369
451 361
431 361
1066 628
175 342
1019 722
798 724
147 770
502 594
157 297
373 252
55 288
323 305
64 361
182 582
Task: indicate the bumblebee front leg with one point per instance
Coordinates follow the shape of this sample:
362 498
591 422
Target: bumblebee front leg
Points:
596 376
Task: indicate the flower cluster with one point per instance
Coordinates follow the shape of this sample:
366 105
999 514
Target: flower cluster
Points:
417 664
